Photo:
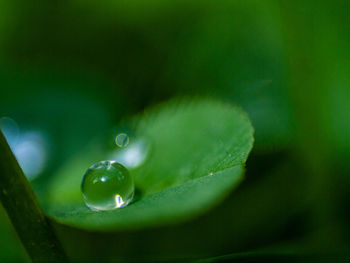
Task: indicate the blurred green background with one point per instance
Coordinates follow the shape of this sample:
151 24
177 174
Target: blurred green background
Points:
72 70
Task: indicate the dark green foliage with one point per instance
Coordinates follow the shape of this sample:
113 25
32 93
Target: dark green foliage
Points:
74 70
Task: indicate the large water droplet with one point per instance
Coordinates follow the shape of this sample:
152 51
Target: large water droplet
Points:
107 185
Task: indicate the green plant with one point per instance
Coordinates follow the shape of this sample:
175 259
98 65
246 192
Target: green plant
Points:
197 156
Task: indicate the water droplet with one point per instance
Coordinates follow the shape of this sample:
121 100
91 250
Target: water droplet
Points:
107 185
122 140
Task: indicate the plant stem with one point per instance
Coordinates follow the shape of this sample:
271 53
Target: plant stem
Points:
308 75
27 217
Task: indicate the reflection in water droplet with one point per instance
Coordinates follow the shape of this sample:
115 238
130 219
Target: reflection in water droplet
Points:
107 185
132 156
122 140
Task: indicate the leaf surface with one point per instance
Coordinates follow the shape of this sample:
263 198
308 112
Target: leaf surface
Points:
197 152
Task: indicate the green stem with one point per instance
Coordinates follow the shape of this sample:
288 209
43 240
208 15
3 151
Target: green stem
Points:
27 217
301 20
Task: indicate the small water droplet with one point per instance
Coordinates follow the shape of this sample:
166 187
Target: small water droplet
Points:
107 185
211 174
122 140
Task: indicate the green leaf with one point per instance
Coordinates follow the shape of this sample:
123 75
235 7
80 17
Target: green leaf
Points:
197 155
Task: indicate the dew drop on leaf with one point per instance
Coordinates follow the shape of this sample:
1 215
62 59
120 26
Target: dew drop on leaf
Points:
107 185
122 140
